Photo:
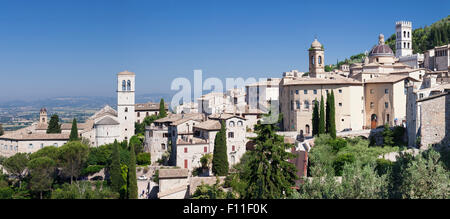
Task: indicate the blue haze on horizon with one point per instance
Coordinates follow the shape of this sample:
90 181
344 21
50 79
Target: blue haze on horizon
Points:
76 48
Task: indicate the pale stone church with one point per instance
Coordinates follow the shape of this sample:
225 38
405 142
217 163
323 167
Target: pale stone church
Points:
104 127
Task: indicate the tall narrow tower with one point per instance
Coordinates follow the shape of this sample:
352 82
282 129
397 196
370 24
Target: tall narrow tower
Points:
316 60
125 104
403 39
43 116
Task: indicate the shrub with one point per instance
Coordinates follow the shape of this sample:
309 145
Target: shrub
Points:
383 166
143 158
91 169
341 160
337 144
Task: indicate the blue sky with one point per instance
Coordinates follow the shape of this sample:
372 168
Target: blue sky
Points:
75 48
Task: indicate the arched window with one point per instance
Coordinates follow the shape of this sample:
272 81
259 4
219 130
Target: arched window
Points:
404 33
128 85
240 123
126 109
306 104
307 129
163 146
408 34
139 114
408 46
124 85
320 60
231 124
404 45
312 60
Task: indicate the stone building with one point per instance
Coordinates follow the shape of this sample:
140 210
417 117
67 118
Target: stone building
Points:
188 151
297 96
160 134
126 104
260 95
190 107
147 109
103 127
431 121
438 59
418 102
173 183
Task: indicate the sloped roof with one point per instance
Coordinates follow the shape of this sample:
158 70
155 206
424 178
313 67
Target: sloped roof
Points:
224 116
209 125
310 81
173 173
149 106
35 136
389 79
107 121
107 110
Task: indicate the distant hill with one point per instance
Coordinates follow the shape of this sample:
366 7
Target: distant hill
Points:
82 102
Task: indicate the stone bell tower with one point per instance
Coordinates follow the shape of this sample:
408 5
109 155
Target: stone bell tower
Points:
43 116
316 60
403 39
125 104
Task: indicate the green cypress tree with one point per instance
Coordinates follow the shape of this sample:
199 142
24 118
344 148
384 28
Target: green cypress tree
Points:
322 117
327 114
269 174
162 109
220 157
53 125
131 177
332 126
315 118
1 130
74 131
115 169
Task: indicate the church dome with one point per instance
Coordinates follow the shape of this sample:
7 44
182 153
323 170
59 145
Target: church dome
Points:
43 110
316 44
381 49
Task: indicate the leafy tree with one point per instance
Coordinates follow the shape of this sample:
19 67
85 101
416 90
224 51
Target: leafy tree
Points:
332 117
206 161
341 160
143 158
16 165
74 131
205 191
383 166
53 125
116 173
42 172
100 155
327 113
91 169
132 181
315 118
322 117
362 182
271 175
426 178
2 132
162 109
388 136
73 156
220 157
338 144
137 144
48 151
84 190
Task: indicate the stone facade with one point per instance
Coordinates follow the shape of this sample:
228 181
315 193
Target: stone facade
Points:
435 120
126 104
